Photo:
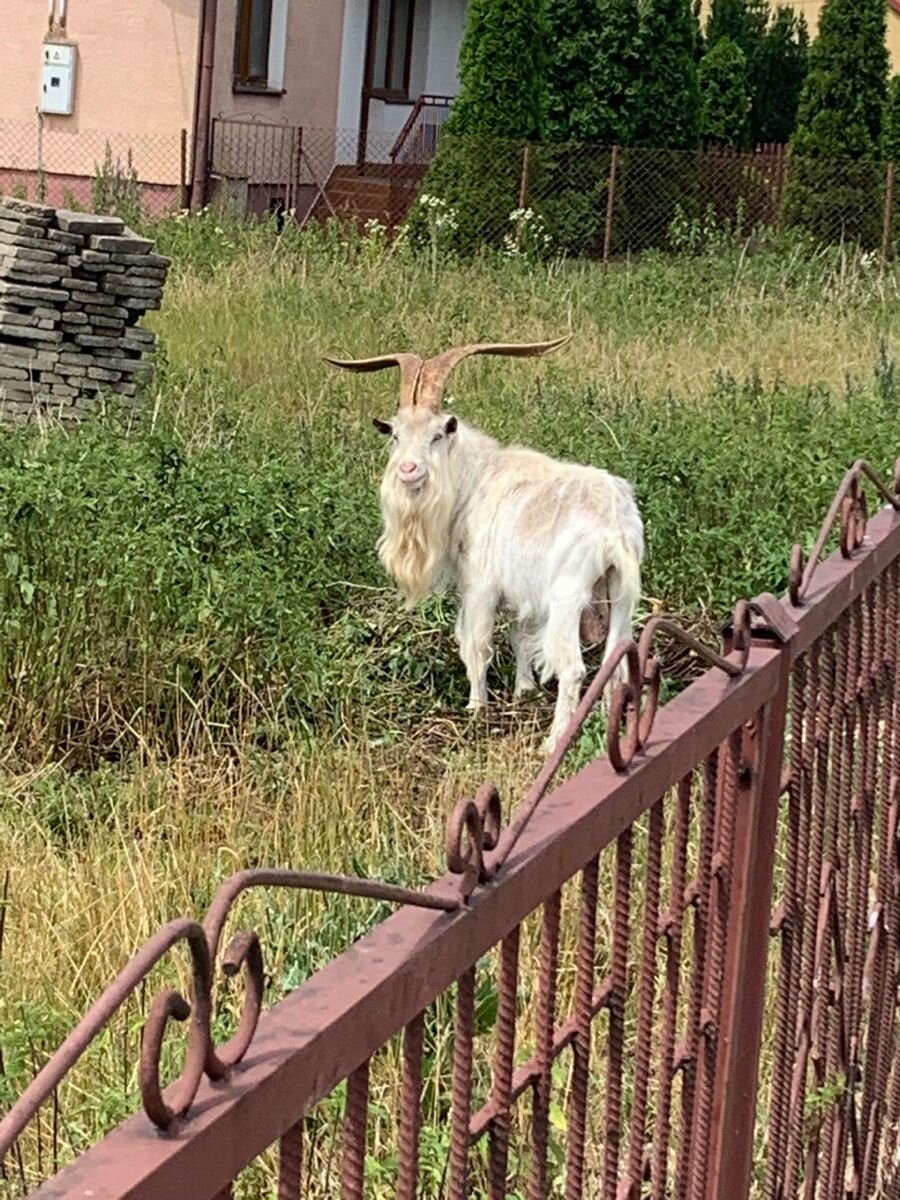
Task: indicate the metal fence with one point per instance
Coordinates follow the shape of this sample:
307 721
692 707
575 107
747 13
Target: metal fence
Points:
713 1002
43 160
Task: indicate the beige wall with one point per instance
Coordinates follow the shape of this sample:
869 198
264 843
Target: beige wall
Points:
312 66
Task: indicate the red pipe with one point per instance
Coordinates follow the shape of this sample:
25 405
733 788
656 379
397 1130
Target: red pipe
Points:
203 103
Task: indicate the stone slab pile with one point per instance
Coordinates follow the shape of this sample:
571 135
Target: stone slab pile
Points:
73 288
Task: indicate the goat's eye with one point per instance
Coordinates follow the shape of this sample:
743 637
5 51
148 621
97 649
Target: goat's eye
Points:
394 438
437 437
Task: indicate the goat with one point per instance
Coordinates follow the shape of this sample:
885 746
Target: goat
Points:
554 542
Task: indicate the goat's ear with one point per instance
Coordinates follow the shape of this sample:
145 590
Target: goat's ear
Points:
450 425
384 427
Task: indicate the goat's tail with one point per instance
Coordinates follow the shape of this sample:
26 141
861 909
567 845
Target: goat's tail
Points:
624 581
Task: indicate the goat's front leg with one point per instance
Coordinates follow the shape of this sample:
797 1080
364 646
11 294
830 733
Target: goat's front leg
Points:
474 628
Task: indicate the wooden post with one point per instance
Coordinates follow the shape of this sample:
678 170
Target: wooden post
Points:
610 205
183 177
526 175
886 238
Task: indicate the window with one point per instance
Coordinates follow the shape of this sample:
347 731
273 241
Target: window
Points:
252 44
392 24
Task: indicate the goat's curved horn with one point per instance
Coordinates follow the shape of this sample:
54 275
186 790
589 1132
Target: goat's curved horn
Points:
410 368
435 371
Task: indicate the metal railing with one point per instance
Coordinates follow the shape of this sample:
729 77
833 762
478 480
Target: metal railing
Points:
735 852
417 140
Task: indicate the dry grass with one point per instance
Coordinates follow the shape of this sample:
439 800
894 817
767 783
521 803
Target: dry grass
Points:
98 860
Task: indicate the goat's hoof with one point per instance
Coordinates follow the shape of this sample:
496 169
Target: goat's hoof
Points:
523 690
476 706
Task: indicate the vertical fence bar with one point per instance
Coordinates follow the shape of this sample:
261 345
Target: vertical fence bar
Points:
619 981
581 1047
727 786
410 1109
690 1054
610 205
462 1086
355 1123
740 1020
183 168
888 214
503 1065
646 999
671 928
792 931
546 1017
290 1163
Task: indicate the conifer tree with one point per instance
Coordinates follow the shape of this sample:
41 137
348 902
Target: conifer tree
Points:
781 76
593 66
668 94
835 184
725 110
890 124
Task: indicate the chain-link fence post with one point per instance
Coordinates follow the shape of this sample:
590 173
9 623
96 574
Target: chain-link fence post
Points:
886 238
610 206
526 176
183 170
783 177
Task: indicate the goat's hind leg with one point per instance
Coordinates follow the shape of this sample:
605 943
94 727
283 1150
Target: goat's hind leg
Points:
474 628
522 638
561 654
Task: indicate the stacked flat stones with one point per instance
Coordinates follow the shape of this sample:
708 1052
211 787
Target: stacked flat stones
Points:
73 287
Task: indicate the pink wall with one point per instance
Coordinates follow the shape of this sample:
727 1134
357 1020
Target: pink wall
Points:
134 80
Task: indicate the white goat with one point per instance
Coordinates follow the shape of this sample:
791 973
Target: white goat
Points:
556 543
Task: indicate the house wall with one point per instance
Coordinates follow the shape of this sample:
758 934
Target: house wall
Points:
134 85
313 49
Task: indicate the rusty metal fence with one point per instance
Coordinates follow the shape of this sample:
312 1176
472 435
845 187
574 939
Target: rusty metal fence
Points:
692 945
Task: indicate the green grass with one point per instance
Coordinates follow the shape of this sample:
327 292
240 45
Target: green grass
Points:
202 666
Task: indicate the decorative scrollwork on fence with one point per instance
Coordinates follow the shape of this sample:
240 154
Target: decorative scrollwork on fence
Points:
243 952
630 679
851 509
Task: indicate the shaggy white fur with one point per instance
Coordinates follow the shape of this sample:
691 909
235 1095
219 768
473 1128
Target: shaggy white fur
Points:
512 528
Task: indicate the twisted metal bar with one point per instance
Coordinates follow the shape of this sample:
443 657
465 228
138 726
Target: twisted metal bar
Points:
850 505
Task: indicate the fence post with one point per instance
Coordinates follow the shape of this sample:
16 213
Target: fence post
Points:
784 175
183 177
748 895
526 175
610 205
888 214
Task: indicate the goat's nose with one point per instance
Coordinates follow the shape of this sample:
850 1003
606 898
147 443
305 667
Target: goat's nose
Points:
407 468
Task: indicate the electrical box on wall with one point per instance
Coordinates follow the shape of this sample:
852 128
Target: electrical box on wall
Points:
58 78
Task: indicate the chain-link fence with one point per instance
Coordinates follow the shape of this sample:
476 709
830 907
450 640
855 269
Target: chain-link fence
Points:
86 168
607 201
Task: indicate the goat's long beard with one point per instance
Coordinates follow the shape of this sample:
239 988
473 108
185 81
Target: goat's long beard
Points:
415 543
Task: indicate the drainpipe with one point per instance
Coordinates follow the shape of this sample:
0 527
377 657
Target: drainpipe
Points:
203 103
